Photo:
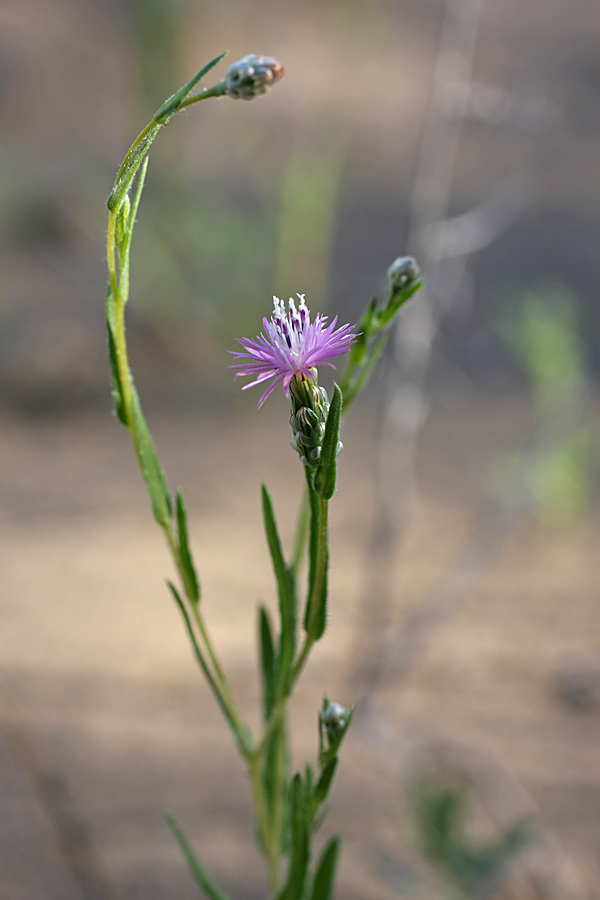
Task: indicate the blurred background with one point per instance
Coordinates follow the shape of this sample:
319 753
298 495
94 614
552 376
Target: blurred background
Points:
465 585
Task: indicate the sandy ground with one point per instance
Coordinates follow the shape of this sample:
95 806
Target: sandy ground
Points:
93 654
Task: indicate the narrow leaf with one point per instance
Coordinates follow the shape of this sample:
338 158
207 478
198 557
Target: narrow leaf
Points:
243 738
397 301
123 182
267 662
320 600
150 466
358 350
169 107
325 475
358 383
285 590
313 552
199 873
187 564
325 874
124 274
313 530
324 783
117 391
299 849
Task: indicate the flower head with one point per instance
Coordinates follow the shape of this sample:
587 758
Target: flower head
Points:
291 344
252 75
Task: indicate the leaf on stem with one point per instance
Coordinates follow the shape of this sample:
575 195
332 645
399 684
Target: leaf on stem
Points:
117 391
123 182
324 784
358 351
199 873
150 466
188 572
285 590
299 844
315 623
325 874
170 106
358 382
397 300
267 662
325 476
129 232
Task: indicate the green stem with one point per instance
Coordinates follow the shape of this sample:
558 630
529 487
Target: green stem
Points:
281 781
301 535
271 850
316 589
217 91
274 719
119 283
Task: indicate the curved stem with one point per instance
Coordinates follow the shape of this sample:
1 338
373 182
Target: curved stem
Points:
118 280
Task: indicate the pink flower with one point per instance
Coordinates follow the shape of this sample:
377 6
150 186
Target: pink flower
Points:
292 344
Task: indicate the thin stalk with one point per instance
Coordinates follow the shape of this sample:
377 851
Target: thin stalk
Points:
271 850
281 780
217 91
117 279
301 535
274 719
316 588
226 699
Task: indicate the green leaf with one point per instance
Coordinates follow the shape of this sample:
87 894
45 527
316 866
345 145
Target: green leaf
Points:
126 245
308 780
124 180
164 112
320 621
358 383
150 466
313 533
396 302
117 391
325 475
299 845
316 626
324 783
267 662
358 349
188 571
325 874
199 873
285 590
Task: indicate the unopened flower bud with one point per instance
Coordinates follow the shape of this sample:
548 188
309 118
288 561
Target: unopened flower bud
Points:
252 75
309 411
335 719
403 273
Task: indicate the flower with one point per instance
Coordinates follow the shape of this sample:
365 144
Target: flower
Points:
292 344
